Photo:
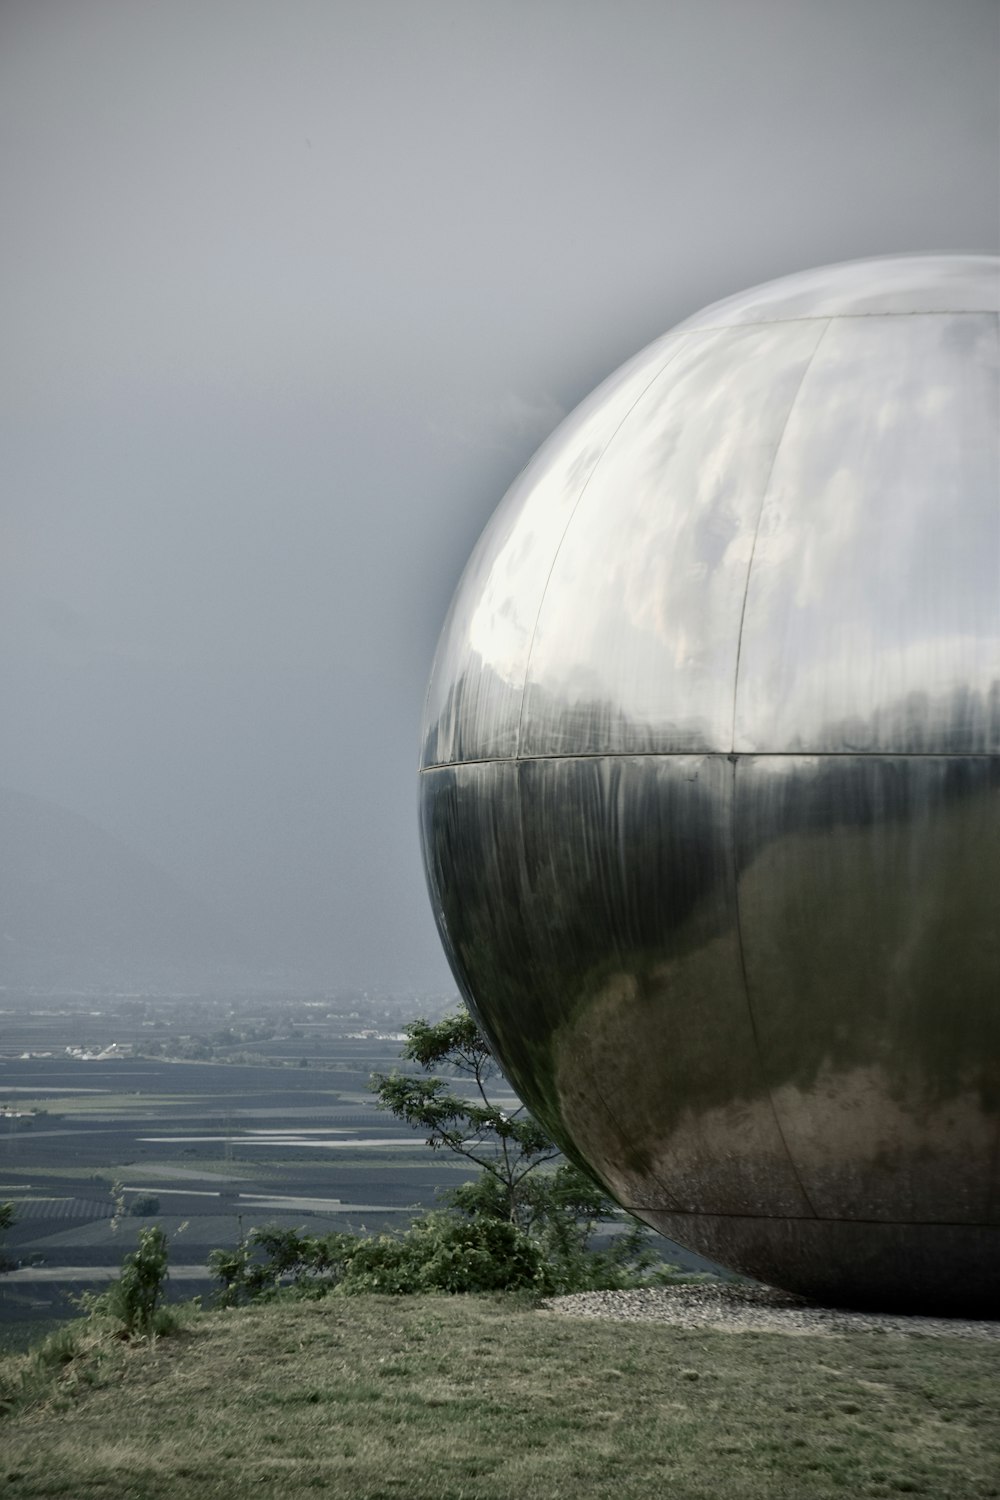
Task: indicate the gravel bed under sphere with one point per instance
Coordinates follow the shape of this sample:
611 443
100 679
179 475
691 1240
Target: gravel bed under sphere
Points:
755 1309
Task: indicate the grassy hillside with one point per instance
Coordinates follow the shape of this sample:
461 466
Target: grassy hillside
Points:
481 1398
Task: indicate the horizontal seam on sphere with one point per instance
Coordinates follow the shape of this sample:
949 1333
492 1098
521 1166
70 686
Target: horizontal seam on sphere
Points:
689 1213
650 383
928 312
729 755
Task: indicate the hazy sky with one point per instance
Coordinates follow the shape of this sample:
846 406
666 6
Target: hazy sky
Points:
291 291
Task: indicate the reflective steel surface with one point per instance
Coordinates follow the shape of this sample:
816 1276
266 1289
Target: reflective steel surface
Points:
711 783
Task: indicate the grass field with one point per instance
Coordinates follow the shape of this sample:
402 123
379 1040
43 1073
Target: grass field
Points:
493 1399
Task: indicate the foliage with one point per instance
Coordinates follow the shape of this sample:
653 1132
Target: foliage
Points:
509 1147
133 1300
266 1259
119 1206
561 1211
443 1253
440 1252
522 1224
6 1220
144 1205
558 1209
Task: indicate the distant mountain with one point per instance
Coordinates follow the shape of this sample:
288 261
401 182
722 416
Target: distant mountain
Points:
79 909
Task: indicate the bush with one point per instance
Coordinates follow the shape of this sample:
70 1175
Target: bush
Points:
560 1212
557 1207
268 1259
144 1206
443 1253
133 1301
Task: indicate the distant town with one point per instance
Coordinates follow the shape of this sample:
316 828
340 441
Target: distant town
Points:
199 1027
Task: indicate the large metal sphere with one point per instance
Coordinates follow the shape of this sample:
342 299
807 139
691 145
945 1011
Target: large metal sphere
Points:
710 783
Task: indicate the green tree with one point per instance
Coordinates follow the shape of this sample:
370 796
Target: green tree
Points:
558 1208
527 1221
508 1146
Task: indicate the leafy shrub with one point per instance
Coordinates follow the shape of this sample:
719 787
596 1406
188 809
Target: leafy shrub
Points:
509 1145
441 1252
232 1267
133 1300
144 1206
561 1212
557 1207
444 1253
270 1258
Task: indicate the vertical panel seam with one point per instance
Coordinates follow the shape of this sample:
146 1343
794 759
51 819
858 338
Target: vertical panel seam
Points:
765 488
681 343
993 1181
750 1010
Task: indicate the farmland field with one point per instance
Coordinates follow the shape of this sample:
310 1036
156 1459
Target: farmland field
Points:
272 1122
292 1138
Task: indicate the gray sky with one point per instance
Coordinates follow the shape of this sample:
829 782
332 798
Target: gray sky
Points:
291 291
